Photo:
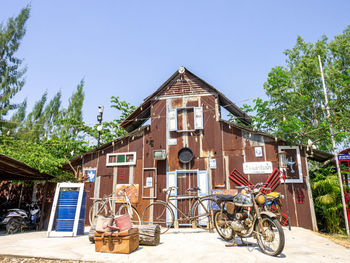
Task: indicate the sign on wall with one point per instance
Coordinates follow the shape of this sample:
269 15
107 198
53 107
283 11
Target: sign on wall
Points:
343 157
257 167
212 163
258 151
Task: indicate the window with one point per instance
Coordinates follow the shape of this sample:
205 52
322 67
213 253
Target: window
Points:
294 170
149 183
185 119
116 159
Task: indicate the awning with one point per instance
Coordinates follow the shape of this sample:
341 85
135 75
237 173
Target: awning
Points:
12 169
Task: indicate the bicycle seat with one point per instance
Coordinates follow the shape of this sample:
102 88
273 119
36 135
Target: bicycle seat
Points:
225 197
193 189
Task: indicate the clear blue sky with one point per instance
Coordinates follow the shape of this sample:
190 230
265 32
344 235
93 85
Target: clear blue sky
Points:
129 48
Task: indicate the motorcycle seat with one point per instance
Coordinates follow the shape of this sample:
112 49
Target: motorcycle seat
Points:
225 197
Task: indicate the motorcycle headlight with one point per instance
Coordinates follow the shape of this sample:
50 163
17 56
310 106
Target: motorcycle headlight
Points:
260 199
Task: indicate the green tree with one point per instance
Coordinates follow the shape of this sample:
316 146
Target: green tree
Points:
327 199
295 108
47 134
11 72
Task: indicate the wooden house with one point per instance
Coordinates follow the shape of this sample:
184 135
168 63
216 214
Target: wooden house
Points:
177 137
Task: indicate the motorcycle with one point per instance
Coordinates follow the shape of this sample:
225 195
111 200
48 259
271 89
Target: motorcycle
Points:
240 215
3 209
17 220
273 204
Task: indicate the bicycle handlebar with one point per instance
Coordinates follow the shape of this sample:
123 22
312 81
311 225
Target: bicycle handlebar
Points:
169 189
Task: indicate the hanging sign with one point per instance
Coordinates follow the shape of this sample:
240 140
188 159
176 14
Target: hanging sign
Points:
257 167
344 157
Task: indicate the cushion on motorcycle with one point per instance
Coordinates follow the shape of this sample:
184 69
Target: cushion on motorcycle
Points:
225 197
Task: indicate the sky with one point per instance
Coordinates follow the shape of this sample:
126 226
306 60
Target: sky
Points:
129 48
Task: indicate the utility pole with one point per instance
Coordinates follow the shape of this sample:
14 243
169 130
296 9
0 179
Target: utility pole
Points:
334 149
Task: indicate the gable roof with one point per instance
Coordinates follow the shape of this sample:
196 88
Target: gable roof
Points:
143 112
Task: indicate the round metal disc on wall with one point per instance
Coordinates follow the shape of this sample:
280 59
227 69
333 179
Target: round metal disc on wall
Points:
185 155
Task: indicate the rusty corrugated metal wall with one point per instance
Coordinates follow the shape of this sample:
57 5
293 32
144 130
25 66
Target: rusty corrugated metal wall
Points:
229 145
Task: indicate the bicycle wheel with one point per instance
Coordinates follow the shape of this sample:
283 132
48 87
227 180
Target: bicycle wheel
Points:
98 208
222 225
134 215
158 213
201 211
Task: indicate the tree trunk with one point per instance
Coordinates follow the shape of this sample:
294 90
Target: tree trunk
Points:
149 234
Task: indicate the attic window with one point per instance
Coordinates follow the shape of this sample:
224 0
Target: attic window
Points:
118 159
185 119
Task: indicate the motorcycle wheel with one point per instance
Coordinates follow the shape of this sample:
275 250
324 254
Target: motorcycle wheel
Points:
13 226
272 243
221 223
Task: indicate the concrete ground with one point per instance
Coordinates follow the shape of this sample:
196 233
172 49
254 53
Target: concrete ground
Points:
178 245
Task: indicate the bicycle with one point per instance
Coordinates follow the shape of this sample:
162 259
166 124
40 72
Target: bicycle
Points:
104 206
162 212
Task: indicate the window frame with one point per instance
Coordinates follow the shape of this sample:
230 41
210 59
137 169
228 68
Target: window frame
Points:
120 164
172 116
298 158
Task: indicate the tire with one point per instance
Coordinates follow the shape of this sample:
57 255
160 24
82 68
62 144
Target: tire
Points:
14 226
221 223
277 211
273 229
97 208
163 215
135 217
201 211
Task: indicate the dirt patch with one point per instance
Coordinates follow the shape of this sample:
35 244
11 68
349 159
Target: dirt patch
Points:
340 239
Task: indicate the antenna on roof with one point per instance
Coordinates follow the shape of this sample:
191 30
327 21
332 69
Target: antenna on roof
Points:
181 70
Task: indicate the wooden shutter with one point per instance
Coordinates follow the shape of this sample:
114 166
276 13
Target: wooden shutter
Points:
172 118
198 118
172 181
203 184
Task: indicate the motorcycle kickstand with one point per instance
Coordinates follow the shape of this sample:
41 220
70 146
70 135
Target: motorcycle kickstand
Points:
237 245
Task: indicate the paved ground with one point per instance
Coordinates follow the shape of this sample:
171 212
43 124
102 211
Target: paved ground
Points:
178 245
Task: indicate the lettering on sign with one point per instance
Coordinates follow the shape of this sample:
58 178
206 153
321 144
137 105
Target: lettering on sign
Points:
343 157
257 167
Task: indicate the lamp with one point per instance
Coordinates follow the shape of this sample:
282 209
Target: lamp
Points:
99 127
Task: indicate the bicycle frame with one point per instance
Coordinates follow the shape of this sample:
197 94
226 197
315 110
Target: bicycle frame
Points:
185 217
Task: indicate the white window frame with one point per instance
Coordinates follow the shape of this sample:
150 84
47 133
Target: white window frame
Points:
120 164
172 117
300 179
